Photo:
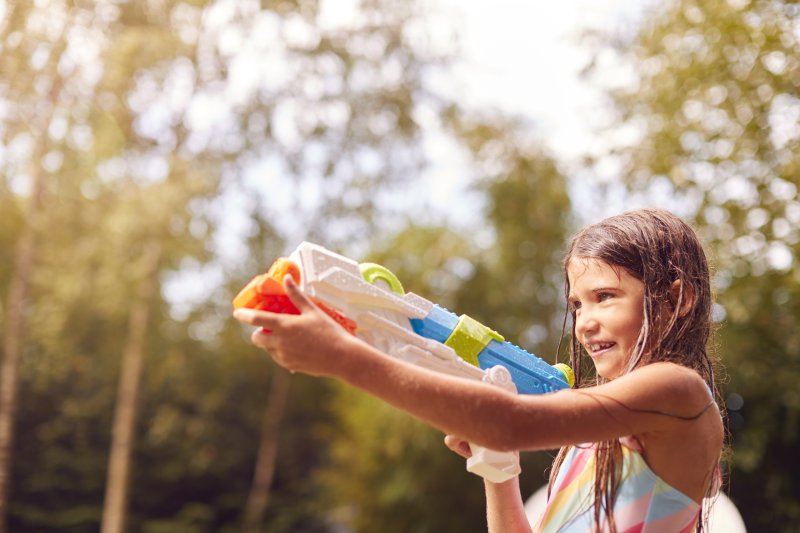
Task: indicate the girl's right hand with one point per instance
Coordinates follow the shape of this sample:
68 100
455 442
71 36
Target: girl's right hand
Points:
311 342
458 445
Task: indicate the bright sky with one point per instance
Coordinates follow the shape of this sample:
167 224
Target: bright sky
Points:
520 56
524 57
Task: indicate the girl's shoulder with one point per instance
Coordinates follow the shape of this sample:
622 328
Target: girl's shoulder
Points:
683 440
668 373
664 383
678 374
664 402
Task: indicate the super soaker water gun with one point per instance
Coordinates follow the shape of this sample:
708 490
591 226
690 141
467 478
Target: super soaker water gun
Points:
369 301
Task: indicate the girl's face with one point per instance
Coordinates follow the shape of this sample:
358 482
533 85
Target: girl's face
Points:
608 306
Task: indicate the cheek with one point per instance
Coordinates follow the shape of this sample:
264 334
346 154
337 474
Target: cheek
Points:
633 326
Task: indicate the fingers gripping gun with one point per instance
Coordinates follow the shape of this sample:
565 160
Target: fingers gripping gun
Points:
369 302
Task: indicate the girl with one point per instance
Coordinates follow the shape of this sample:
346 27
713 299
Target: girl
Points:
640 449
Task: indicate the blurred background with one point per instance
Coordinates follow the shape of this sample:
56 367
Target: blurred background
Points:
157 154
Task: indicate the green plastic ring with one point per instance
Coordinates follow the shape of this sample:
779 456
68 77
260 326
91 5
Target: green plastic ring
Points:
372 272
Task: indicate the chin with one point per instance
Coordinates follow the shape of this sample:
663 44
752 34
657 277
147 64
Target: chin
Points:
608 373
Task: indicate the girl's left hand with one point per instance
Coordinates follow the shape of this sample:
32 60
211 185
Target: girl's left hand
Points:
458 445
310 342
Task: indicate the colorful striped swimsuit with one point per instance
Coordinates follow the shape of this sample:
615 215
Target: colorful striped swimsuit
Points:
645 503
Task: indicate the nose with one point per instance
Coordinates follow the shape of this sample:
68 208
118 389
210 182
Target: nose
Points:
585 323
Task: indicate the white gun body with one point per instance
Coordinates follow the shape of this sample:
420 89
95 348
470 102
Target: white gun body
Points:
383 319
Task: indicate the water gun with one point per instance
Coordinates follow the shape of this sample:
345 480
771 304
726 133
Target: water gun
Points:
369 302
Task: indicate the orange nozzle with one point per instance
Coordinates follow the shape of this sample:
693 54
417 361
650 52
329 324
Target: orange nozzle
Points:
263 285
281 267
265 292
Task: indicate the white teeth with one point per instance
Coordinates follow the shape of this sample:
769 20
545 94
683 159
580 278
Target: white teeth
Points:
595 346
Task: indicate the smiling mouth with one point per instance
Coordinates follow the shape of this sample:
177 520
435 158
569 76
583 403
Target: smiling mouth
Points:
598 348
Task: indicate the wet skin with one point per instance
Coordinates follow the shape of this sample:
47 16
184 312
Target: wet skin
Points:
608 312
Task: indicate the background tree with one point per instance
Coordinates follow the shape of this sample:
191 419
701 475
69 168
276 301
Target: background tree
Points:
385 466
229 131
123 434
388 470
517 286
197 125
529 217
26 128
715 111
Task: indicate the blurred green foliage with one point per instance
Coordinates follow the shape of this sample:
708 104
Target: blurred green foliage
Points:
106 110
228 131
716 107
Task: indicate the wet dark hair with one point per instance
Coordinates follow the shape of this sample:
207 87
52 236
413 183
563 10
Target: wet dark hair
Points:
665 254
657 248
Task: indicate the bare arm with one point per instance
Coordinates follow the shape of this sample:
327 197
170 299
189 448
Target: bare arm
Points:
505 509
312 343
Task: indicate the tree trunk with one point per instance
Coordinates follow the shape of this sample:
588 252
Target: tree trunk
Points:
267 452
115 505
15 336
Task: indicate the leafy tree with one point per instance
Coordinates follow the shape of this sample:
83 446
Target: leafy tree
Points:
386 466
529 214
173 119
26 126
115 189
388 470
517 285
115 507
715 108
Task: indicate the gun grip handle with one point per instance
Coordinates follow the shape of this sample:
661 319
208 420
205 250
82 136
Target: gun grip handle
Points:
493 466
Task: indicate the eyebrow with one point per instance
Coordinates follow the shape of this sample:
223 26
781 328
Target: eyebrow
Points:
572 296
605 289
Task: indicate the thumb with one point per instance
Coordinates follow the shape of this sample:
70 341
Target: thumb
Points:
298 298
458 445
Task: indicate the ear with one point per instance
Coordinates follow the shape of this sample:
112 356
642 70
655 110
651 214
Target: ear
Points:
688 297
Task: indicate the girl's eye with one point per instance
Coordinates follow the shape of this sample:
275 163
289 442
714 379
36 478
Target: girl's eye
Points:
603 296
574 305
